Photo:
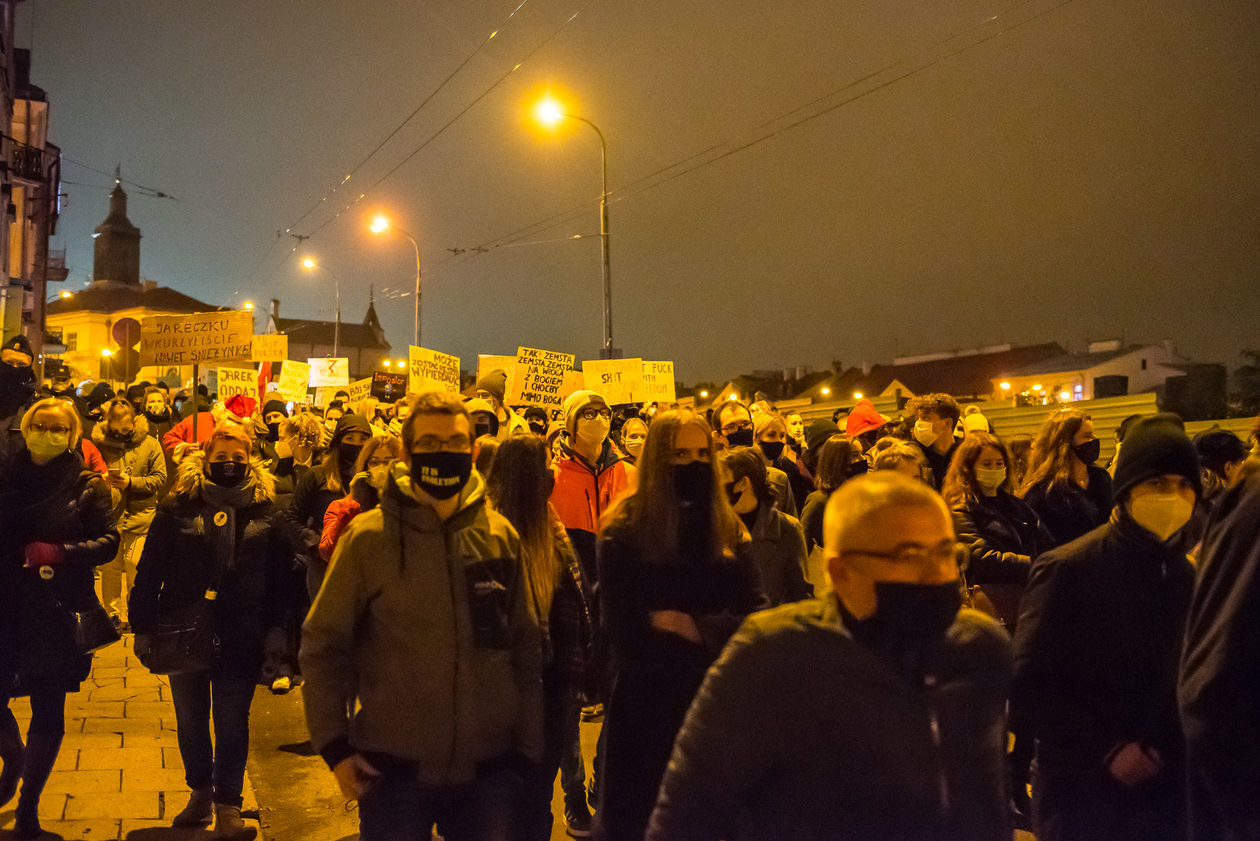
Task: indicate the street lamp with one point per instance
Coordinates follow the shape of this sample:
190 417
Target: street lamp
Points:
310 265
381 224
549 113
249 306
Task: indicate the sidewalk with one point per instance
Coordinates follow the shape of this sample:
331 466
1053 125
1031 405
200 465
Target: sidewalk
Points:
119 775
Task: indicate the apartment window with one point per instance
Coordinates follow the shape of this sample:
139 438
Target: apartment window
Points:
1143 364
72 342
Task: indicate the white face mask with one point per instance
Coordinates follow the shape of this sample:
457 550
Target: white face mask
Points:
593 432
1162 515
990 480
925 433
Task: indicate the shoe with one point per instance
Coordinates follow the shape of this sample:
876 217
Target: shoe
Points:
577 821
595 712
281 685
199 810
117 622
228 825
26 822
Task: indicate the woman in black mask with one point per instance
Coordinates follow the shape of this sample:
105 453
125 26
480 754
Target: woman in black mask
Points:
217 532
318 487
676 579
1064 487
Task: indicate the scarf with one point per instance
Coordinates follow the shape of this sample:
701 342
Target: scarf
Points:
222 524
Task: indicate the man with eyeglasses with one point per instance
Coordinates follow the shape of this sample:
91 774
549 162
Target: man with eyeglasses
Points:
422 658
873 712
733 426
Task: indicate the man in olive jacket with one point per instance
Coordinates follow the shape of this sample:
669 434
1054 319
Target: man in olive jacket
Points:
423 628
875 712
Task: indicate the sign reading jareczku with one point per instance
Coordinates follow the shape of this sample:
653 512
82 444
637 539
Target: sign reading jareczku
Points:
196 338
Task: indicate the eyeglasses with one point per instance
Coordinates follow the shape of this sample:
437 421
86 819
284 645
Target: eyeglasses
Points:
736 426
55 430
436 444
915 553
376 462
592 413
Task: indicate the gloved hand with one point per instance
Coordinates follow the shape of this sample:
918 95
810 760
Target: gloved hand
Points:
39 554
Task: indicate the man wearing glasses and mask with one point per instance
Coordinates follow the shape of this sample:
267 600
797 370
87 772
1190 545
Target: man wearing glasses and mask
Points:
873 712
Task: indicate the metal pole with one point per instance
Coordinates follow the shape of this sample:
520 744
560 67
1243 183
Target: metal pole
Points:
603 237
337 326
416 246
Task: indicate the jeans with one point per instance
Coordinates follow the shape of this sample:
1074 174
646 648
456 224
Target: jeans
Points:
220 765
399 808
113 591
573 771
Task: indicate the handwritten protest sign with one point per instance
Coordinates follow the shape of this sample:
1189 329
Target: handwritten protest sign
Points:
573 381
327 370
658 382
294 380
196 338
388 386
270 347
487 363
538 377
616 380
357 390
432 369
233 381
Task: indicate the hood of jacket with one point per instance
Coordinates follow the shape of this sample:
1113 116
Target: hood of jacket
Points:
191 476
98 435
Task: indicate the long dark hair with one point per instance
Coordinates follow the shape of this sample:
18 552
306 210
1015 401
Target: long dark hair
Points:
653 510
960 486
1051 460
518 487
835 463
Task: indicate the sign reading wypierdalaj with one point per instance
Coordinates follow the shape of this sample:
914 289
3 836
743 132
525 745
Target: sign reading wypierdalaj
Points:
196 338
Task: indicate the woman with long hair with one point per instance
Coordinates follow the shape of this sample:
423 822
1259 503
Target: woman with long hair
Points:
777 542
518 487
1068 491
835 466
770 435
368 481
676 579
57 521
217 532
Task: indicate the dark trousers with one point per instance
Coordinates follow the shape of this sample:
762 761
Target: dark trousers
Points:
1073 804
399 808
573 769
219 765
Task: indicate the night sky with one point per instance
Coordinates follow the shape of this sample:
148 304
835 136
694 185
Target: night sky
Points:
979 171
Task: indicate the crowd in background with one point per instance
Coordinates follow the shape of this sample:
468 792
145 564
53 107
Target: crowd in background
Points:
864 627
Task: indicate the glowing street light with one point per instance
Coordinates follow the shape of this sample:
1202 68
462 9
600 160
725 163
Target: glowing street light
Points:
67 294
106 352
826 391
380 225
704 394
249 306
549 112
386 363
857 395
1005 386
310 265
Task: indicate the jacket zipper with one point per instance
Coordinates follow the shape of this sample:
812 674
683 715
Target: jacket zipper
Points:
934 724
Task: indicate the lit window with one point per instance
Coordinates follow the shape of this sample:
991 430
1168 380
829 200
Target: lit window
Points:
72 342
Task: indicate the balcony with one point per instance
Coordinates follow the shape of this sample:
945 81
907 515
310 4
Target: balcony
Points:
26 163
52 268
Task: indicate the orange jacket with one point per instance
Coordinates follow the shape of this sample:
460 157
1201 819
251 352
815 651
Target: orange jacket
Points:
584 492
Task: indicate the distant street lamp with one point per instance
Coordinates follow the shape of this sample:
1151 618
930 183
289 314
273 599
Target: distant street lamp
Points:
310 265
249 306
381 224
549 113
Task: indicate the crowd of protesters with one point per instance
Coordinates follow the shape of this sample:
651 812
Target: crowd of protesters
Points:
961 634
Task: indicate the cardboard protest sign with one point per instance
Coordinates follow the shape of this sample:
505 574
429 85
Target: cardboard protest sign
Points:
328 370
432 369
294 380
193 339
233 381
388 386
270 347
616 380
573 381
537 377
487 363
658 382
357 390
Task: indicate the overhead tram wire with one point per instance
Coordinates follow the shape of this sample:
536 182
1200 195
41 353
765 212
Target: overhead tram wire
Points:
152 191
410 117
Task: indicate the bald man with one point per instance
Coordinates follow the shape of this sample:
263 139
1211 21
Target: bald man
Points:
875 712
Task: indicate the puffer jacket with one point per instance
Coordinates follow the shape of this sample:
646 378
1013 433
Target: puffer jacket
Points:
582 494
1003 535
421 615
143 463
893 755
181 561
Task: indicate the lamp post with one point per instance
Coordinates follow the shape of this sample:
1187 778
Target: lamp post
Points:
549 112
381 224
310 264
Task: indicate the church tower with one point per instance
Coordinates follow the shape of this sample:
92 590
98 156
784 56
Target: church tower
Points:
117 249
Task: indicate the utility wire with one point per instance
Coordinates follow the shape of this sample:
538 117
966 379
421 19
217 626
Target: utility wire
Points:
156 193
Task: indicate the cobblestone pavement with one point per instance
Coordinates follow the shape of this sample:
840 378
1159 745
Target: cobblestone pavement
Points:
119 775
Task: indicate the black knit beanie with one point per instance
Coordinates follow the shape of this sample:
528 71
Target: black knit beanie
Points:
1154 446
275 406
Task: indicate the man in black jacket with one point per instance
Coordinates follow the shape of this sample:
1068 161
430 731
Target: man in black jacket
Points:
1096 654
875 712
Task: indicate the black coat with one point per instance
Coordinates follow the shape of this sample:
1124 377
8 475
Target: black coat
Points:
1003 536
1220 673
1069 511
64 503
305 510
656 674
179 563
1096 655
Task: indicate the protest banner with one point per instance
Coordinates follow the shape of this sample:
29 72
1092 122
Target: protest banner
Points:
429 369
658 382
537 377
357 390
488 362
294 380
270 347
388 386
329 370
616 380
196 338
573 381
233 381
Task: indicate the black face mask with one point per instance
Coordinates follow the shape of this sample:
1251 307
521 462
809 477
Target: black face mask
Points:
742 438
771 449
731 496
1089 451
441 475
348 454
693 482
913 613
228 474
20 377
484 424
273 432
